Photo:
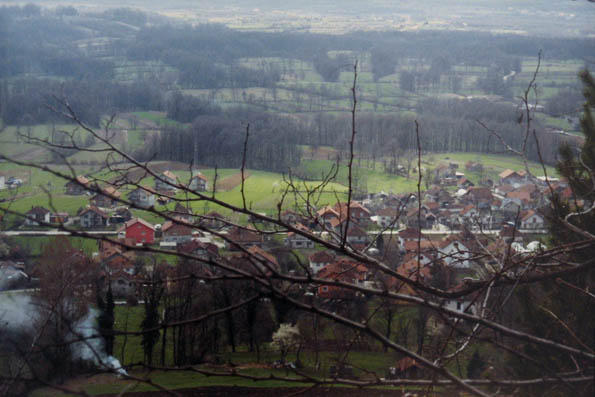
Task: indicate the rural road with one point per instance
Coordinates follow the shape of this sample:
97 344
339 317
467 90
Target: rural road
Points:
54 232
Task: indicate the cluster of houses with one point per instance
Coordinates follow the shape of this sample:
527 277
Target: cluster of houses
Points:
465 225
435 239
105 209
455 202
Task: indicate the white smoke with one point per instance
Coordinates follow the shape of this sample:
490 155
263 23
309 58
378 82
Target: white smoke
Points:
90 348
17 312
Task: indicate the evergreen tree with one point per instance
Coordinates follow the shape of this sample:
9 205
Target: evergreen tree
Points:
475 366
576 168
105 320
152 298
563 314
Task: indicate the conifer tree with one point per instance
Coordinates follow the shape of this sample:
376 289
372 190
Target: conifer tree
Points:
552 317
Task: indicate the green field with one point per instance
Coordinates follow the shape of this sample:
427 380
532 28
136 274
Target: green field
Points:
263 190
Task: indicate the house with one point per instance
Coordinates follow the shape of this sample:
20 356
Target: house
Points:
415 270
121 215
202 250
409 234
143 196
510 177
406 368
532 220
290 217
469 215
462 306
255 261
356 236
473 166
510 207
198 183
93 217
479 195
164 198
357 212
139 231
387 216
522 196
503 190
464 183
107 197
265 260
119 261
108 247
328 217
297 241
212 220
245 237
181 213
344 270
176 232
37 215
444 171
123 284
2 182
320 259
455 252
166 181
77 186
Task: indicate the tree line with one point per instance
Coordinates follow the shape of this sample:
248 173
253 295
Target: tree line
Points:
218 140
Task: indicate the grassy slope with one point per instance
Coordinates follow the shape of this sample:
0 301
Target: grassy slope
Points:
263 189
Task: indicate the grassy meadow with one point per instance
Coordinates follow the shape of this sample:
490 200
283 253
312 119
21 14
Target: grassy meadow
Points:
263 190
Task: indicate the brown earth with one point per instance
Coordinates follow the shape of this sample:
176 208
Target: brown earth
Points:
321 153
231 181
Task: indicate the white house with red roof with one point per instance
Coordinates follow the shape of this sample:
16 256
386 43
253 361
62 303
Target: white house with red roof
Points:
166 181
532 220
298 241
93 217
320 259
176 232
37 215
198 183
77 186
143 196
387 216
511 177
455 252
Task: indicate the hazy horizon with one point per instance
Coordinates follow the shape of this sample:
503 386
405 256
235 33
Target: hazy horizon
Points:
530 17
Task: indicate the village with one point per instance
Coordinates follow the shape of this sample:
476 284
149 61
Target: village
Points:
454 232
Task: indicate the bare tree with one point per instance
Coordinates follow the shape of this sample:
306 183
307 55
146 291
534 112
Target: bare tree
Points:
444 333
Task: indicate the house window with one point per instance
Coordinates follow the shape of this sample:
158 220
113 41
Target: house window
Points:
458 305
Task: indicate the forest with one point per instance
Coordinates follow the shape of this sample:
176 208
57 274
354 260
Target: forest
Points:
205 77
